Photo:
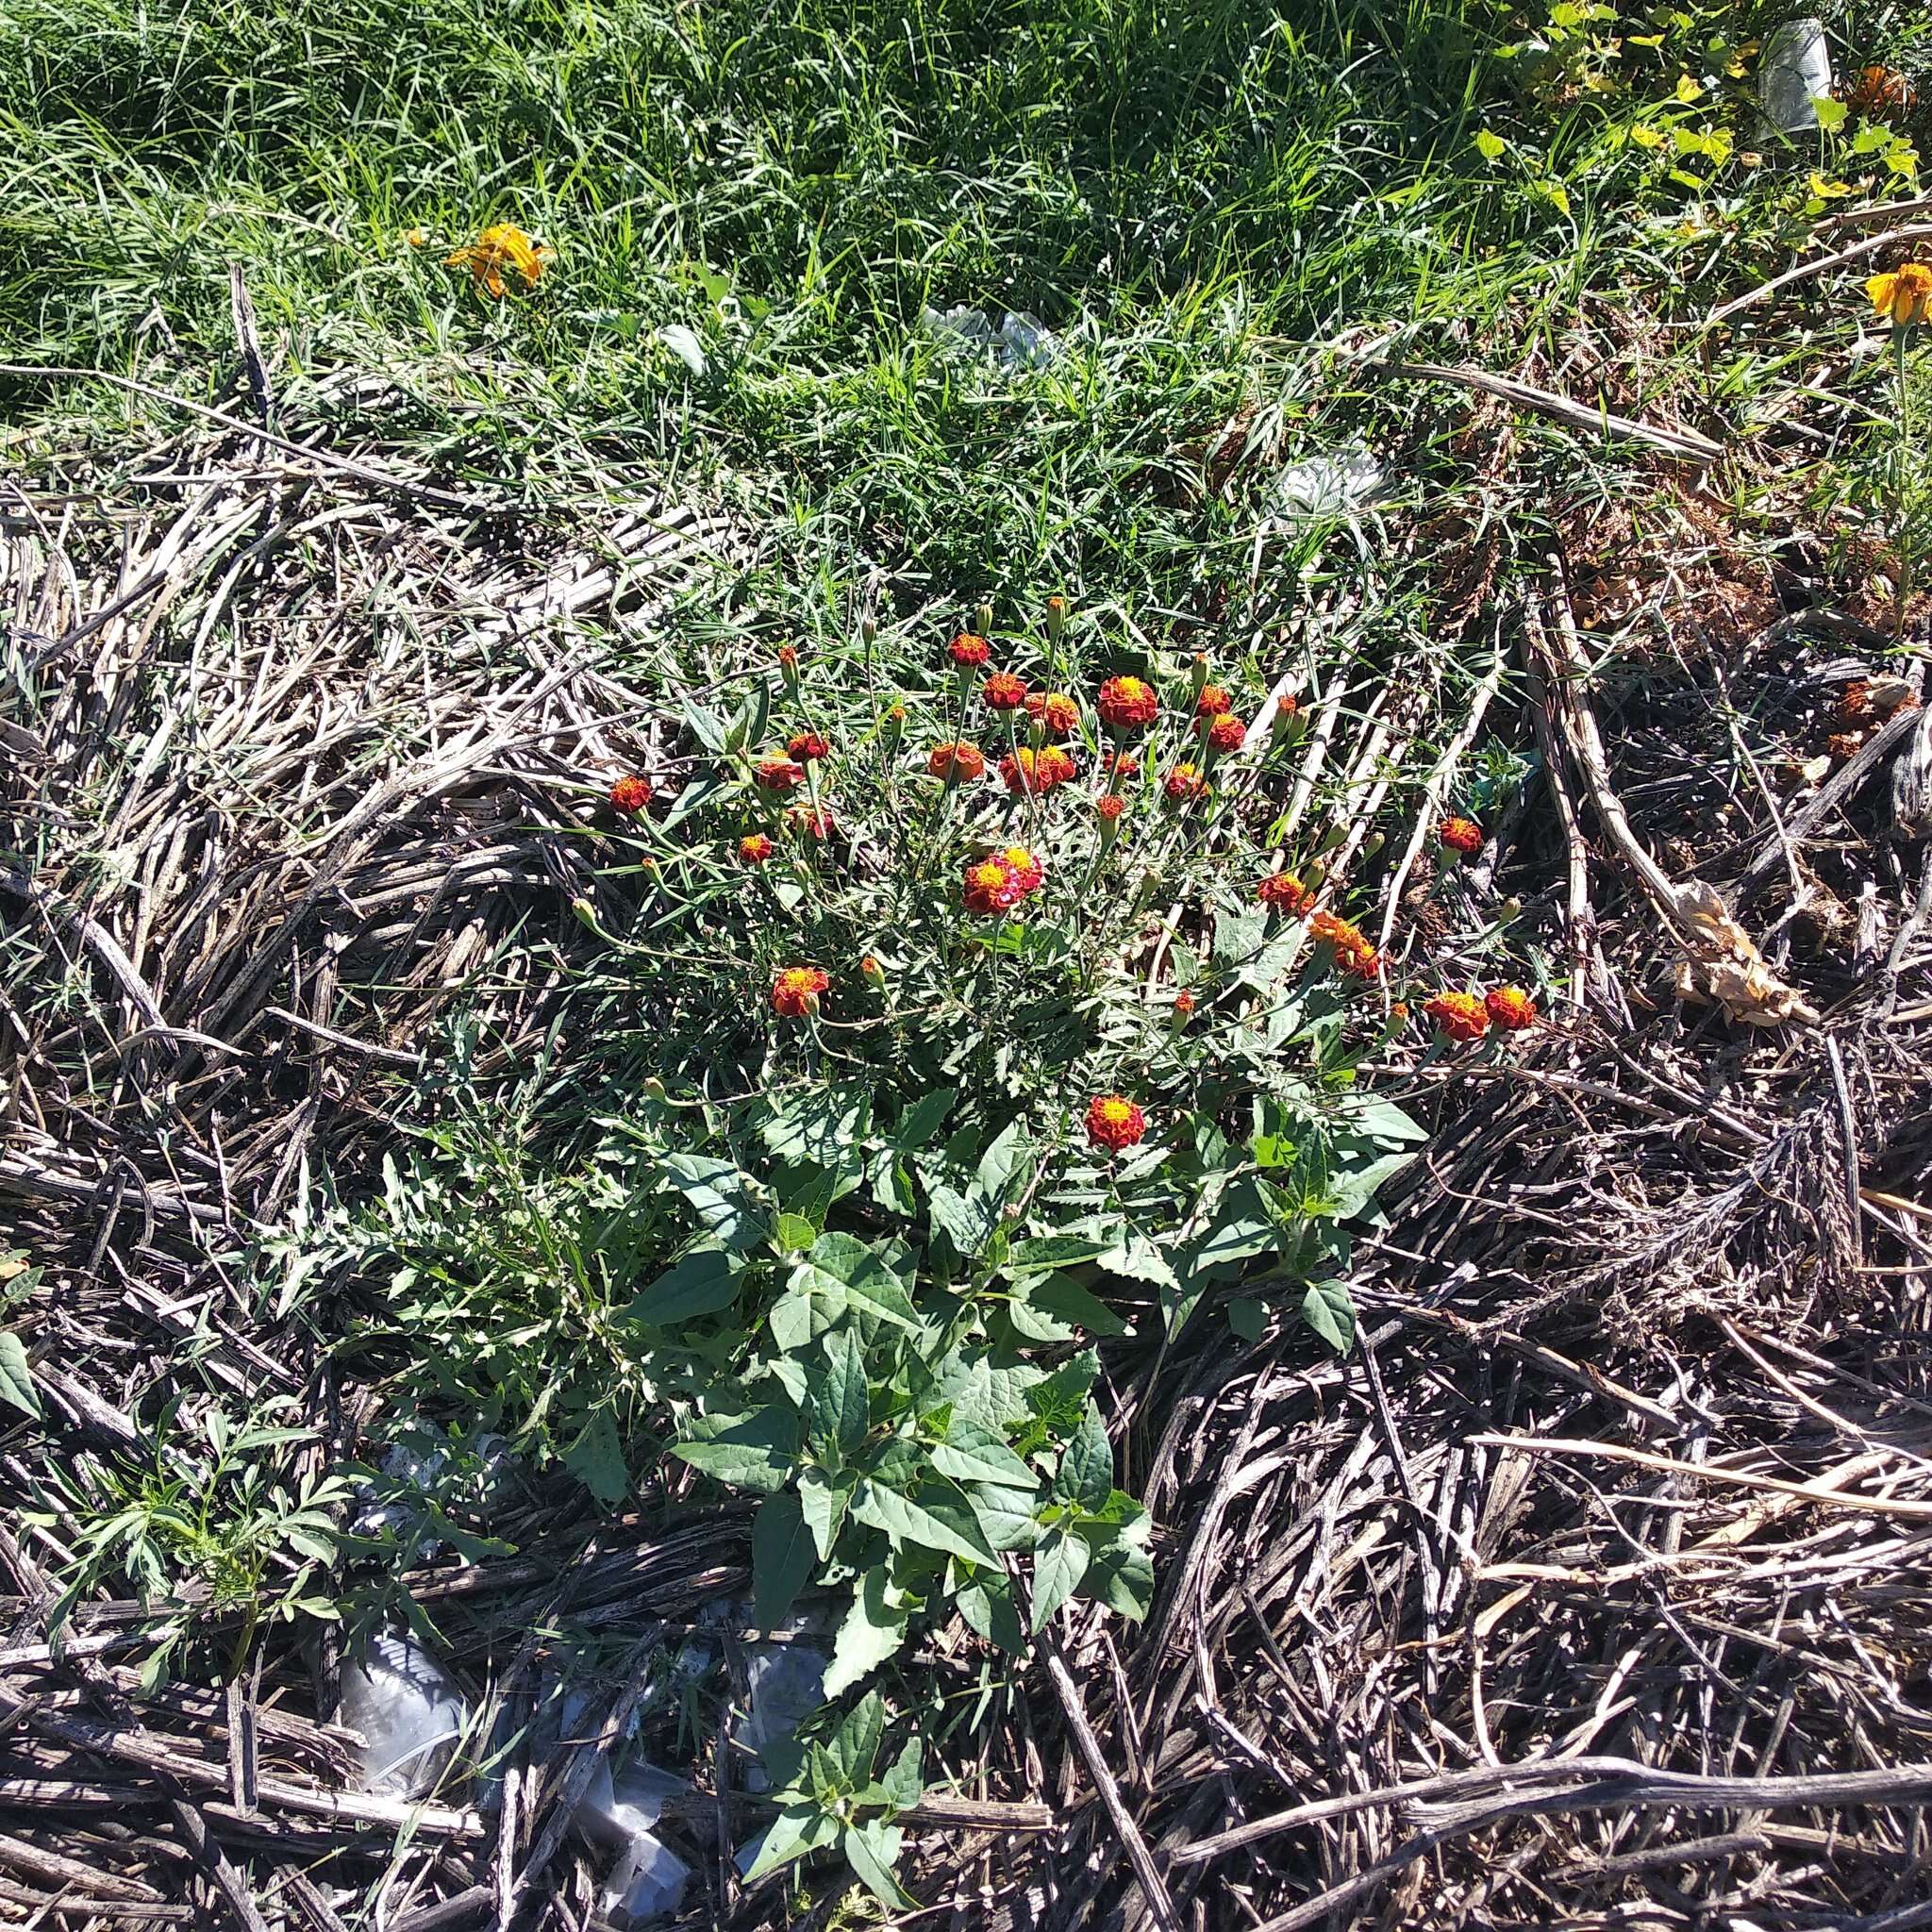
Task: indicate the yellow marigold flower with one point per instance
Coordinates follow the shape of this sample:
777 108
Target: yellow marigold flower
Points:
1904 296
503 246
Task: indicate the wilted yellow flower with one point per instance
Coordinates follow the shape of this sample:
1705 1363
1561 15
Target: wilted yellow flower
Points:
1904 296
501 246
415 238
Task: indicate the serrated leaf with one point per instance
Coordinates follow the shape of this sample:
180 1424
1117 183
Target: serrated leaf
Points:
1328 1309
1046 1252
821 1123
720 1197
1004 1160
973 1452
1058 1564
871 1632
16 1376
1138 1260
966 1221
781 1557
935 1522
1085 1471
705 1281
595 1458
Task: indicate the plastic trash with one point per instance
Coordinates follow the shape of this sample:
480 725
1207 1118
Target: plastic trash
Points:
1327 486
1021 341
647 1882
784 1684
409 1712
1794 75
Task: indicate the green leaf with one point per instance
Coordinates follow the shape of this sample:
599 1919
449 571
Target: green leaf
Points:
855 1742
923 1118
934 1521
1122 1579
707 726
781 1557
904 1781
973 1452
720 1197
1491 146
842 1397
1007 1158
820 1124
1247 1318
871 1631
872 1849
1066 1301
1058 1564
595 1458
797 1830
755 1450
844 1269
1053 1251
1086 1471
705 1281
1328 1309
1005 1516
1831 114
987 1604
16 1376
793 1233
822 1503
966 1221
1138 1260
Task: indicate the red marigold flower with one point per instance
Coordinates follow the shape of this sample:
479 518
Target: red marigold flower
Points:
1003 692
956 761
1353 952
968 651
1228 734
811 821
754 848
1058 715
1285 892
1184 1004
779 775
1114 1121
1038 771
1459 1015
1183 782
1363 963
795 992
1127 703
1212 702
788 657
1461 835
1121 764
1025 869
1110 805
808 746
630 794
1510 1008
990 886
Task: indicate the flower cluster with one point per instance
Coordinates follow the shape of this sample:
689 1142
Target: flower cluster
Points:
1003 692
1470 1015
1057 715
1127 703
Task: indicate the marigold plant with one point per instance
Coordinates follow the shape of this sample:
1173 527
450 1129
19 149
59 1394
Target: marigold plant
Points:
630 794
969 651
796 991
1459 1015
1128 703
1460 835
1004 691
1115 1122
1286 894
1510 1008
779 775
956 761
805 746
1904 296
754 848
503 250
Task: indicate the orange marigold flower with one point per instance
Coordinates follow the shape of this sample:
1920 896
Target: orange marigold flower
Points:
778 774
806 745
990 886
630 794
1027 869
1114 1121
1460 835
1058 715
811 821
1038 771
1110 805
1286 893
1003 692
1510 1008
1121 764
1228 733
795 992
788 657
1212 702
1353 951
969 651
1183 782
754 848
1364 964
1184 1004
500 246
956 761
872 972
1904 296
1127 703
1459 1015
